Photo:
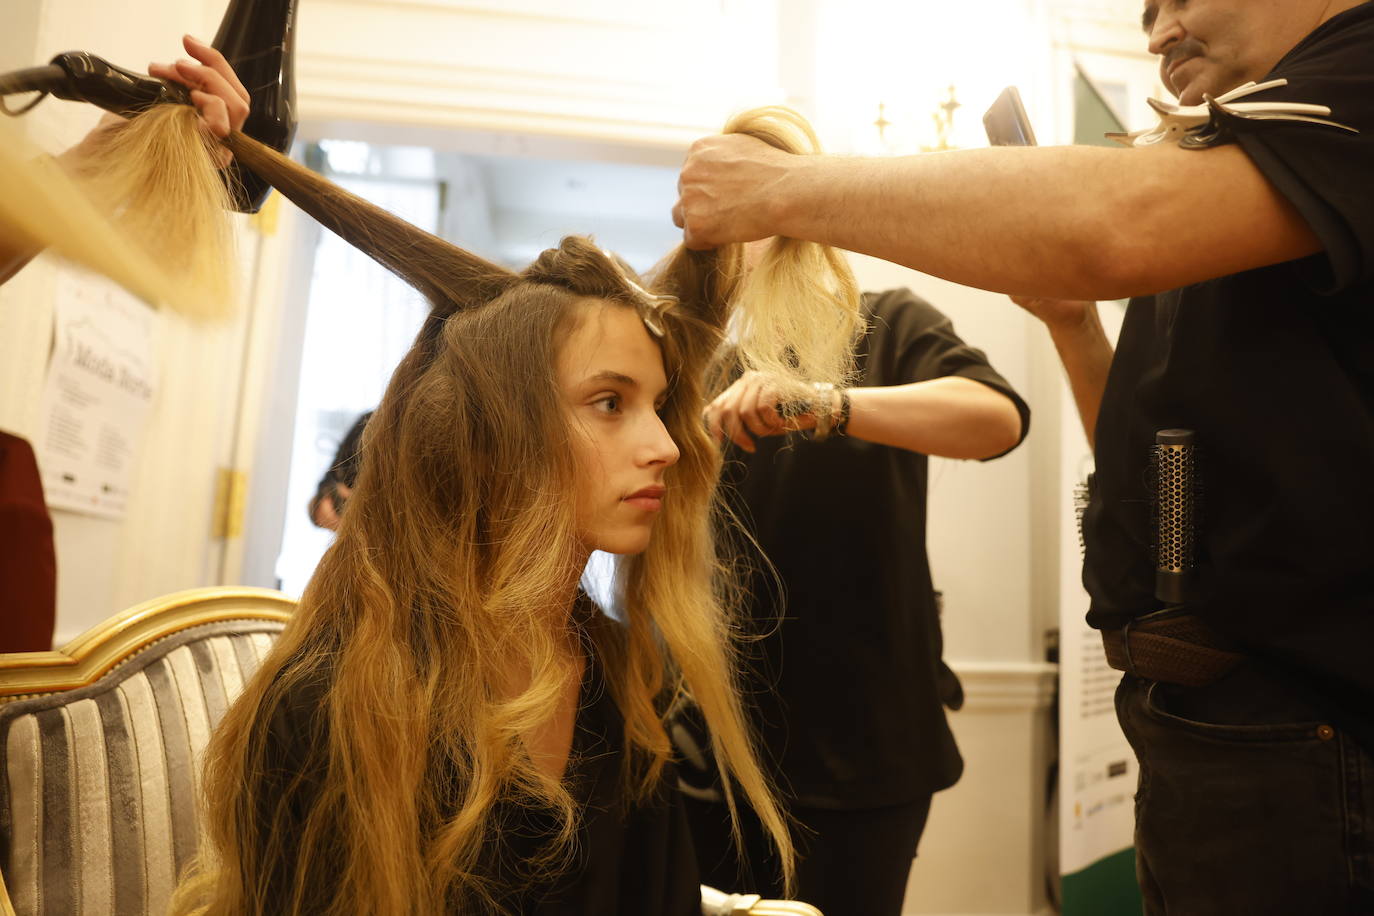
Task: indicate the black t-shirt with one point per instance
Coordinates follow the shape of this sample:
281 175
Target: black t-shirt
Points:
1273 370
630 858
856 720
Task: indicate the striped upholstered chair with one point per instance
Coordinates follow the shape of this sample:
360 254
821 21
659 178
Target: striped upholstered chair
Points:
99 743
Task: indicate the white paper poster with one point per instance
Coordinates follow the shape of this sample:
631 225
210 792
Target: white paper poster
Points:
1097 769
98 395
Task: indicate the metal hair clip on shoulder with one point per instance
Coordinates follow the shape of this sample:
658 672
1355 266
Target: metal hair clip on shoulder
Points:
1219 119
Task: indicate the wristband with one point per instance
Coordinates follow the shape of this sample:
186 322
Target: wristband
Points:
823 408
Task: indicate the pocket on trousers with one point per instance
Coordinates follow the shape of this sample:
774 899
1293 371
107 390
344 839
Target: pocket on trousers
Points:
1237 818
1181 713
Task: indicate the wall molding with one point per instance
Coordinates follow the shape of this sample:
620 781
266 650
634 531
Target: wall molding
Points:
609 71
515 79
335 86
631 17
1006 686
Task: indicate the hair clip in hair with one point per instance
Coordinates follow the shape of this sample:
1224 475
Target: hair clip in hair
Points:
652 307
1218 119
651 311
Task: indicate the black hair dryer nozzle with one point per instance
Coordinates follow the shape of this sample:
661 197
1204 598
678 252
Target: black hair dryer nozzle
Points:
79 76
93 79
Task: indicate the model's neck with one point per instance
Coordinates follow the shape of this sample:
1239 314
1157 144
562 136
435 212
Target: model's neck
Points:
571 588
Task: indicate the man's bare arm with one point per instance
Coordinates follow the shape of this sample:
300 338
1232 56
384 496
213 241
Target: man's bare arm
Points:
1062 222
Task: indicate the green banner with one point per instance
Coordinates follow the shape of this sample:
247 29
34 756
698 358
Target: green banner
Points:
1105 888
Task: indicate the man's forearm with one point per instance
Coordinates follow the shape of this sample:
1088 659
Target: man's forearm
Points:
1066 222
950 417
1087 357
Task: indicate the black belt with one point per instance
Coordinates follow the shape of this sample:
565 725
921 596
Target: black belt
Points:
1171 647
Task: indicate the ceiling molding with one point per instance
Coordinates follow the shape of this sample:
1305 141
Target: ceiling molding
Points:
635 17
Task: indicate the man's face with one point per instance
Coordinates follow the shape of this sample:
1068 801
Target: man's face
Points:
1212 46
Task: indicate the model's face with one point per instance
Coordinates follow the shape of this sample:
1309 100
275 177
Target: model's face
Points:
610 373
1212 46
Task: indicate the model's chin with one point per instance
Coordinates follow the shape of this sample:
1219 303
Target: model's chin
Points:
625 543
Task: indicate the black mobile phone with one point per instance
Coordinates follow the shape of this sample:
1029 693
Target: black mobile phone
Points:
1006 121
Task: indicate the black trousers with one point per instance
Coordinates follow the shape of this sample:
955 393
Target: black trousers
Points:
1249 802
849 863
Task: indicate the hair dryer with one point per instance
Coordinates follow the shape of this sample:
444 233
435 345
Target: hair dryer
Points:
257 37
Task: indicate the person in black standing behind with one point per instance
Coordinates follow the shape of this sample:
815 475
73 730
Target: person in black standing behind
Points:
326 506
846 681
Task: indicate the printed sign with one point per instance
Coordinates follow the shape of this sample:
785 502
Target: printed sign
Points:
98 395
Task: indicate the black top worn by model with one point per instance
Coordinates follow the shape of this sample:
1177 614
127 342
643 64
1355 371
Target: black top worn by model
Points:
854 654
629 859
1273 369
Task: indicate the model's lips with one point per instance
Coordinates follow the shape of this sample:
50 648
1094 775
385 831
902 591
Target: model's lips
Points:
649 499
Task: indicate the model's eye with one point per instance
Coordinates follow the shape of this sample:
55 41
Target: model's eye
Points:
609 404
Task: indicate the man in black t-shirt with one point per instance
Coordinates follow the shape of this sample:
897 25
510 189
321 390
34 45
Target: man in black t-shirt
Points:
845 680
1249 246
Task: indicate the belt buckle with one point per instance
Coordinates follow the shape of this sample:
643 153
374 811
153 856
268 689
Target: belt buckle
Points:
1126 643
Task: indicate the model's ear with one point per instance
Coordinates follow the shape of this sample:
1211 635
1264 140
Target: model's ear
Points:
451 278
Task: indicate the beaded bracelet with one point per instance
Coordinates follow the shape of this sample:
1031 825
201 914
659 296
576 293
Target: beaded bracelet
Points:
824 410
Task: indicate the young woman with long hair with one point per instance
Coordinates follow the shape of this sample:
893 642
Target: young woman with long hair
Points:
438 729
448 724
